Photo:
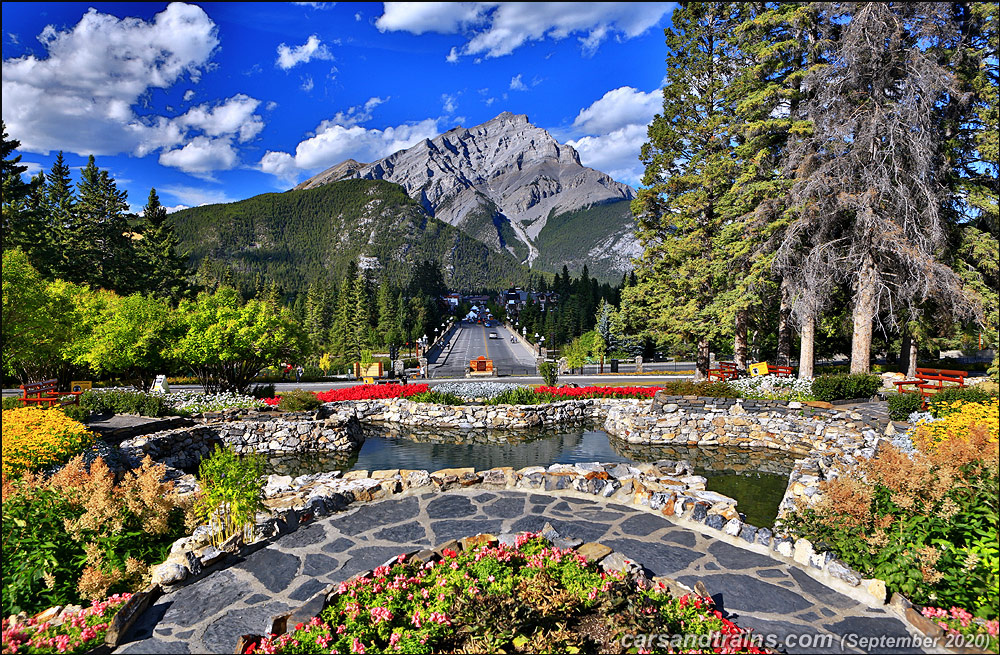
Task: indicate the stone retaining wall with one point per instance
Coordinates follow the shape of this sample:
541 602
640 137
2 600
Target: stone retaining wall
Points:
253 432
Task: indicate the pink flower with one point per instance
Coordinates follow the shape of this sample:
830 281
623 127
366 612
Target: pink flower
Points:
357 646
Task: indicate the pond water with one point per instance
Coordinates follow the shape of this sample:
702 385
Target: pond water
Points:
756 478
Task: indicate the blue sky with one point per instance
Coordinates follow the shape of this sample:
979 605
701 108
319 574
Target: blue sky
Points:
215 102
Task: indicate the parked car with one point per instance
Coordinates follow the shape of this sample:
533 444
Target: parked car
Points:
494 335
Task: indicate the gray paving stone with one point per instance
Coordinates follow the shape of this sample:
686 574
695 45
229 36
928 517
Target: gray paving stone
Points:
305 536
737 559
157 646
788 637
504 508
872 627
585 530
307 589
272 568
208 597
338 545
411 532
540 499
220 636
659 558
449 507
681 537
316 564
744 593
365 558
642 525
772 573
484 498
823 594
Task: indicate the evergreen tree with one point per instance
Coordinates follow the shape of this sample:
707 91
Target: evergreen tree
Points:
61 208
685 208
101 236
157 250
17 221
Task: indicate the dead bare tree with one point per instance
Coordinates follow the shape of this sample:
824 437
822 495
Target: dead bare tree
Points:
869 179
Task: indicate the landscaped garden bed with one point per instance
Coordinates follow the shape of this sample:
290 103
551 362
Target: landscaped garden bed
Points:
523 596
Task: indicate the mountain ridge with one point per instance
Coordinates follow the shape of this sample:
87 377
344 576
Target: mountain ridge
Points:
500 182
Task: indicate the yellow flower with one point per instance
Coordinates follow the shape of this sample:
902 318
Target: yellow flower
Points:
36 438
959 423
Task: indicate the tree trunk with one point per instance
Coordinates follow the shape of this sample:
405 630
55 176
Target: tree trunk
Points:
740 340
911 368
701 370
808 333
864 309
904 351
784 356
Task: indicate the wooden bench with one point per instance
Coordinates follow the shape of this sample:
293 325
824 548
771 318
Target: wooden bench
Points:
782 371
933 376
46 392
931 380
725 371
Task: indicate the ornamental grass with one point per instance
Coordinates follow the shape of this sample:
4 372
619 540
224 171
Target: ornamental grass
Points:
527 598
925 522
78 632
82 534
36 438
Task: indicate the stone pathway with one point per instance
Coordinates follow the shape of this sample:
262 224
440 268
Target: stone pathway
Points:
209 615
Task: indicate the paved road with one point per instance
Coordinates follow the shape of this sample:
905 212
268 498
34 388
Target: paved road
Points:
471 340
773 598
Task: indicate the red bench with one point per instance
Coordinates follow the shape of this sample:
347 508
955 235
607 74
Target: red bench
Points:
726 371
931 380
46 392
781 371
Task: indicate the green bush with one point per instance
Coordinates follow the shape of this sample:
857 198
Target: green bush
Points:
232 492
118 401
939 404
298 400
12 402
845 387
901 405
75 412
549 372
705 389
520 396
437 397
261 391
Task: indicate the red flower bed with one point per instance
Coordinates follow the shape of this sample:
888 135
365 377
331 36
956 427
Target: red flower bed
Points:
364 392
599 392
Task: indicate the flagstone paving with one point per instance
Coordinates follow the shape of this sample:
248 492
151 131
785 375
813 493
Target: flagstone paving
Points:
209 615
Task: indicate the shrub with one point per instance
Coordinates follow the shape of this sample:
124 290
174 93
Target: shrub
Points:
901 405
12 402
232 491
549 372
705 389
121 401
36 438
76 412
942 403
519 396
925 522
298 400
845 387
262 391
441 398
80 535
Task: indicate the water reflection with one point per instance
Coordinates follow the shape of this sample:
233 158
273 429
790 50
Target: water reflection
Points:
756 478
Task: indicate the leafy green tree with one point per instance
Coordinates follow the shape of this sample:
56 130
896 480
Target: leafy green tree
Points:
127 337
227 343
40 321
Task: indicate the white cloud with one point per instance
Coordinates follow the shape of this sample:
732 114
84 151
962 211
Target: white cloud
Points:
290 57
201 156
187 196
516 84
449 103
618 108
188 95
80 97
500 28
332 143
307 84
615 153
354 115
234 116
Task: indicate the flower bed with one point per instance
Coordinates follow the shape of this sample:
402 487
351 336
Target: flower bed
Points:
772 387
963 629
527 597
598 392
36 438
363 392
73 631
